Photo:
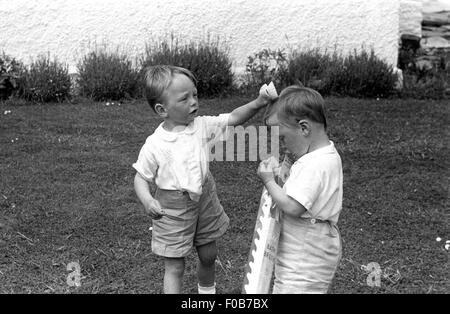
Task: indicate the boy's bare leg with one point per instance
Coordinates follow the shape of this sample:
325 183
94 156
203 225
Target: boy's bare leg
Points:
206 266
173 275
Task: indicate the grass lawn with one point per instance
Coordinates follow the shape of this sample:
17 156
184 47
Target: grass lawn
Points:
66 195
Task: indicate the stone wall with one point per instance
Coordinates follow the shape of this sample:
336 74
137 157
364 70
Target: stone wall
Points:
425 28
411 19
435 42
436 30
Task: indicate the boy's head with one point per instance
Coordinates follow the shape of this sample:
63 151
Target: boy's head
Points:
300 115
296 103
172 93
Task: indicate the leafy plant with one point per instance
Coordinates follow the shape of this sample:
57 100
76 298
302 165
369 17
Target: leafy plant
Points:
107 76
310 67
425 77
434 85
10 70
45 80
207 59
265 66
361 74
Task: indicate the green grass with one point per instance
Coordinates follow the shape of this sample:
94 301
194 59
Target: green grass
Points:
66 194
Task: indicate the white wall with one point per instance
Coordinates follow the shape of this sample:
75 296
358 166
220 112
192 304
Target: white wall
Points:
411 17
69 28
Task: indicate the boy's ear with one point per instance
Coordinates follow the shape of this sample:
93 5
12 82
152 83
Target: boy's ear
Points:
160 110
304 126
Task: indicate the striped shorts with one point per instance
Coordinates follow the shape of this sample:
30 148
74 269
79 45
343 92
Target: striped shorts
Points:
308 255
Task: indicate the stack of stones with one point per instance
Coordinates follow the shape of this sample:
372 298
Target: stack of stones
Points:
435 42
425 38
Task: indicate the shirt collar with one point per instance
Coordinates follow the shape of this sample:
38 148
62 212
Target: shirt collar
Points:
172 136
329 149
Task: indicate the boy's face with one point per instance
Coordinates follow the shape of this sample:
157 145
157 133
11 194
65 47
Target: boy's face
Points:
292 135
181 102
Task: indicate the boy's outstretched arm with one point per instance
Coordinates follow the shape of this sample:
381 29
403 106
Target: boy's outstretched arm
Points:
241 114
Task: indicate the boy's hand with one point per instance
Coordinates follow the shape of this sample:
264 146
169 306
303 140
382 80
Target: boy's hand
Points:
153 208
240 115
267 169
267 94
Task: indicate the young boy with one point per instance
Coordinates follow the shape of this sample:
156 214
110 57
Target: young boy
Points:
185 209
309 249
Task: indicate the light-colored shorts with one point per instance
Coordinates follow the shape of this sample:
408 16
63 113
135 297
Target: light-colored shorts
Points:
188 223
308 255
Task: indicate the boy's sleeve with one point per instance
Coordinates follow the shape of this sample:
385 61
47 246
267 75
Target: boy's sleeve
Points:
216 127
146 164
304 185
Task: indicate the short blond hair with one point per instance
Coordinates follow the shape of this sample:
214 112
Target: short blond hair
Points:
302 102
158 78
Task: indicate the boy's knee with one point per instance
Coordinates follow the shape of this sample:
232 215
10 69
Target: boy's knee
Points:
174 266
208 260
207 254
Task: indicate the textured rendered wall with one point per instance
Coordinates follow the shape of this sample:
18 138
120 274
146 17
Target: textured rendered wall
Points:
68 28
411 17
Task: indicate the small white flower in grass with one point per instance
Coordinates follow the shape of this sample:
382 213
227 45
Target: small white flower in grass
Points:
7 112
107 103
438 239
151 228
382 242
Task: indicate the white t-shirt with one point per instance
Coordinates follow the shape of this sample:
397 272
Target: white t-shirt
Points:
316 182
179 160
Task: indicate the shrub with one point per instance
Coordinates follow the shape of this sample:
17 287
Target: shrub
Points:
425 76
309 67
434 85
362 75
207 60
10 70
106 76
265 66
358 75
45 80
406 58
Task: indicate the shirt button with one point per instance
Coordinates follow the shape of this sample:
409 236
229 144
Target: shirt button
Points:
313 221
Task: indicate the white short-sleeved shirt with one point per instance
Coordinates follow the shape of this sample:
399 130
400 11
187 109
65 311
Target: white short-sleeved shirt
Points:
179 160
316 182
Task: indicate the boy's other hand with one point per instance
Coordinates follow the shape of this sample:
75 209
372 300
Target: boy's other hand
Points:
267 169
153 208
